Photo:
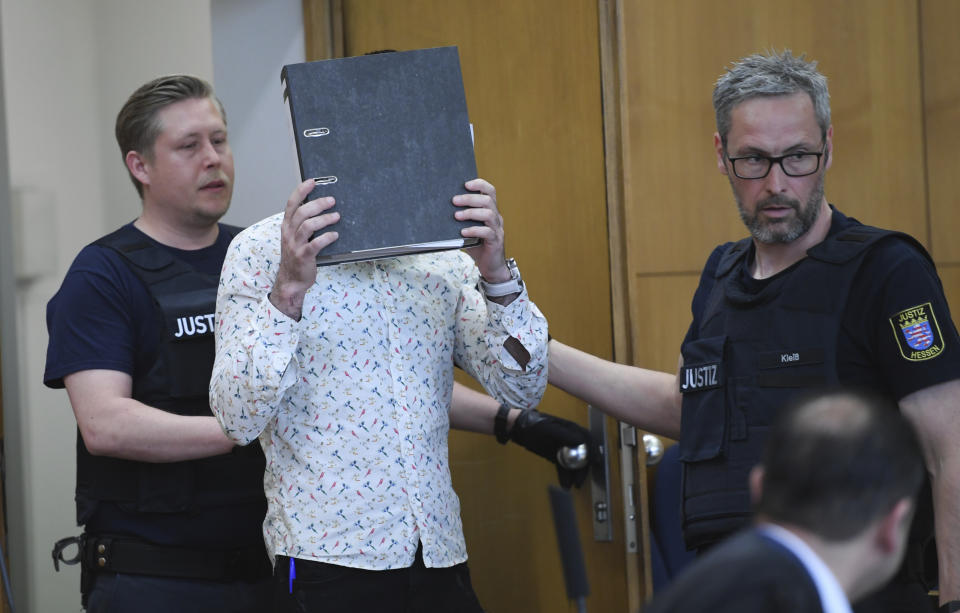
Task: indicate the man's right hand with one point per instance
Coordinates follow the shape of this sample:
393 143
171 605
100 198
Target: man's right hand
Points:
298 251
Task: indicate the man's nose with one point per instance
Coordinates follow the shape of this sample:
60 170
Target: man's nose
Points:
776 179
211 155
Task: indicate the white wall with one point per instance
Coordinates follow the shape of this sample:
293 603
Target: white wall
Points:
137 40
252 40
51 97
67 68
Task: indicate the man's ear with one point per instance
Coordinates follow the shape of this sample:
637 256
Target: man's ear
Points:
893 527
137 165
756 484
828 149
718 145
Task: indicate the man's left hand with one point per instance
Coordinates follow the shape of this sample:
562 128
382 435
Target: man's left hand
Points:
545 435
482 207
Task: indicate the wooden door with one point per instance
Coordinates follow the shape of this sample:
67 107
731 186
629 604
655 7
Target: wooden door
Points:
532 79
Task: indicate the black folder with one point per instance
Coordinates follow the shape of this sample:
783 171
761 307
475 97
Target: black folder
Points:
389 137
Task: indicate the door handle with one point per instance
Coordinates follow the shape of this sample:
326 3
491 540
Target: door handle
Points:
573 458
600 477
653 447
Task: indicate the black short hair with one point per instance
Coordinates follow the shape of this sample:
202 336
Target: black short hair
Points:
837 460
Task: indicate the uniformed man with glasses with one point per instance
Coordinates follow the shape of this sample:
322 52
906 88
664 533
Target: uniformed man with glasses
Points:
812 298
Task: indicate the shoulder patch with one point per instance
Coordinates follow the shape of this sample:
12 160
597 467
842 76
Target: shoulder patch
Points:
917 333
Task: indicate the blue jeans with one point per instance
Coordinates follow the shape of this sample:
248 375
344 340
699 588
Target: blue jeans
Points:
328 588
120 593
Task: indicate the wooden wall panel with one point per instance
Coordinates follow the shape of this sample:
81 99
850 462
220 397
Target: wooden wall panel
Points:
877 116
941 96
660 312
678 205
950 275
323 31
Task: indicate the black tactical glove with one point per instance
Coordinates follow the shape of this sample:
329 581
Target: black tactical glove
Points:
545 435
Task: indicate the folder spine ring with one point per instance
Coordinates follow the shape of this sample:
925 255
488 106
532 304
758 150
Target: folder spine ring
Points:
313 132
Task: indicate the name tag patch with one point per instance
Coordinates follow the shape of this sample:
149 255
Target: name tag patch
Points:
700 377
789 357
917 333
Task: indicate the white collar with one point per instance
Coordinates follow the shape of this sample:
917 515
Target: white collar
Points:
832 597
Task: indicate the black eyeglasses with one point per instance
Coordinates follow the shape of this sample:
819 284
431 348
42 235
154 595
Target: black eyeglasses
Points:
799 164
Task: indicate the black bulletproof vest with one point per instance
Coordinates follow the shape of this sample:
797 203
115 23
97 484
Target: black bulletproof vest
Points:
753 353
177 382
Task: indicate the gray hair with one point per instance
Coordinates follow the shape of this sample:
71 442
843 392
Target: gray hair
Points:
770 74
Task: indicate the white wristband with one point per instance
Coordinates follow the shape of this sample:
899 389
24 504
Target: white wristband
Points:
495 290
513 286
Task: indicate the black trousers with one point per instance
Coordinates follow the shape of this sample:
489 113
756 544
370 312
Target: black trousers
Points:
328 588
122 593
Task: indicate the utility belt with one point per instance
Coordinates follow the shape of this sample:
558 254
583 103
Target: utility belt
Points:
103 553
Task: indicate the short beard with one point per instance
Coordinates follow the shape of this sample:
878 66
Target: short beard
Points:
787 230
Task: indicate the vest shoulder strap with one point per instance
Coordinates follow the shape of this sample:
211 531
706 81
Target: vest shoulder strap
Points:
839 248
848 244
137 250
151 263
231 230
734 253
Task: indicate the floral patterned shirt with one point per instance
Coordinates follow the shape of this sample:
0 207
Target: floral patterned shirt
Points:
351 402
